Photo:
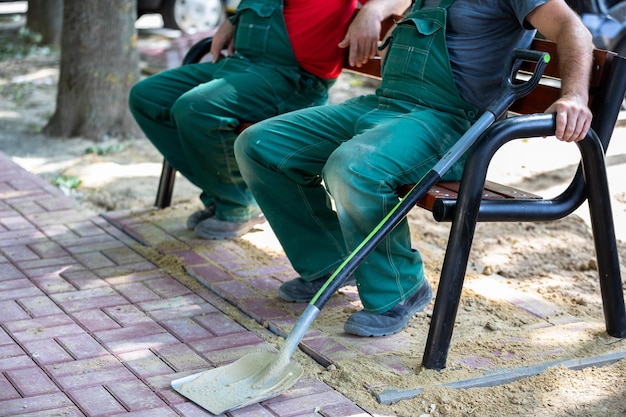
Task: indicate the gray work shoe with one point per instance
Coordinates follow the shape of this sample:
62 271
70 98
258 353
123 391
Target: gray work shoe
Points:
214 228
301 291
363 323
196 217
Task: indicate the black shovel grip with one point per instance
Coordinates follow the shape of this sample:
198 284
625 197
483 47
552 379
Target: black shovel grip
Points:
512 89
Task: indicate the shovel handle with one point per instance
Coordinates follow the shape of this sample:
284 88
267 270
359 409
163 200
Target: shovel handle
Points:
510 91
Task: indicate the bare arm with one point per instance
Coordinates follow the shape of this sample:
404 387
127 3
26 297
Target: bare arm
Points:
362 35
224 39
557 22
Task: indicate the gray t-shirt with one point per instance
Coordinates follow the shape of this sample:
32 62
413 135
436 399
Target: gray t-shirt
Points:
479 34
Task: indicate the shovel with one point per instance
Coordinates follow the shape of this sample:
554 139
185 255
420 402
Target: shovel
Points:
259 376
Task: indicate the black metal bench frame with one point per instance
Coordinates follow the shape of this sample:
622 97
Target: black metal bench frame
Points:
480 201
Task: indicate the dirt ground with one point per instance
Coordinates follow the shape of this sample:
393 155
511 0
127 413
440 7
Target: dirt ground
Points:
554 261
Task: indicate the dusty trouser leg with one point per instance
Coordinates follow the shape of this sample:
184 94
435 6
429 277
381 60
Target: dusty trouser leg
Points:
362 176
151 101
281 159
206 118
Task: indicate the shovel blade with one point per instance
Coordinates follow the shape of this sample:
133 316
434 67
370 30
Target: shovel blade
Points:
239 384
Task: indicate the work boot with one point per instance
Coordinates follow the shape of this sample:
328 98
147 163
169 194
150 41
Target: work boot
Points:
301 291
363 323
214 228
196 217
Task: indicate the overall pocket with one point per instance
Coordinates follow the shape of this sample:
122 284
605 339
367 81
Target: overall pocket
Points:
253 27
411 44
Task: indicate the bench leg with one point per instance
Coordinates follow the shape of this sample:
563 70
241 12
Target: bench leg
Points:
453 269
598 197
166 186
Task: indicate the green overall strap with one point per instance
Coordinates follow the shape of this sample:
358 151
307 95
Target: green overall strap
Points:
444 4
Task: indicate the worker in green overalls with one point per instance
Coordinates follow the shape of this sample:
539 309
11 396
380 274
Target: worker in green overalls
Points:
443 66
282 56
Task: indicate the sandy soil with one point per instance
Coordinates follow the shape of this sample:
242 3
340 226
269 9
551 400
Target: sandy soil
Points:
553 261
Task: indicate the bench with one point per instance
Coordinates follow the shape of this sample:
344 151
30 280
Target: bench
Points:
474 199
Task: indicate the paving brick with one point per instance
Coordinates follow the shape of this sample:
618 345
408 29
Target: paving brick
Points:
295 403
15 223
134 277
20 237
277 268
95 320
68 411
189 409
263 310
47 352
88 372
186 329
181 358
96 401
153 412
128 315
145 363
52 283
11 311
83 279
234 290
135 395
13 356
226 342
125 269
170 305
5 339
167 287
146 342
38 324
54 217
137 292
87 228
254 410
31 382
17 293
267 285
82 346
94 260
36 404
48 249
129 333
8 272
122 255
40 306
7 390
48 333
190 257
208 274
99 297
90 244
218 324
19 253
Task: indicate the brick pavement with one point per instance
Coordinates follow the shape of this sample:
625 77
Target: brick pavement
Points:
90 327
99 313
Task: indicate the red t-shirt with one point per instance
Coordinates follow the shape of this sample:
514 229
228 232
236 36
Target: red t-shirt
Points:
315 27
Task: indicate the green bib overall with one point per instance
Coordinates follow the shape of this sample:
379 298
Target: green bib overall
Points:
363 150
189 113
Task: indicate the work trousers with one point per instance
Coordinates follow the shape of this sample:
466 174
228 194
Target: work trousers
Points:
326 176
190 113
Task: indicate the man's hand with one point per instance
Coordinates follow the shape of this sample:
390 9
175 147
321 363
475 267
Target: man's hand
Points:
558 22
363 34
224 39
362 38
573 118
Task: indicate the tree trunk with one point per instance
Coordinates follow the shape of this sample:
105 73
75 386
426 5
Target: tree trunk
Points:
46 18
99 65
